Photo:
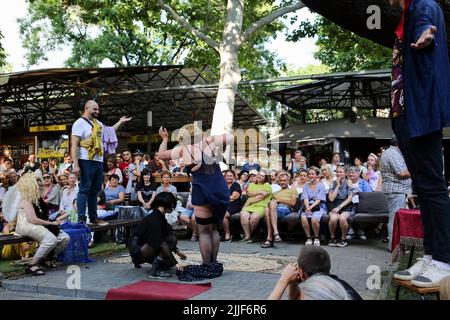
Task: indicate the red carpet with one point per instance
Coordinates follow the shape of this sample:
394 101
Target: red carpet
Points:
156 290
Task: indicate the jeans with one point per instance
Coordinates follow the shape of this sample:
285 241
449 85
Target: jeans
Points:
395 201
424 158
91 178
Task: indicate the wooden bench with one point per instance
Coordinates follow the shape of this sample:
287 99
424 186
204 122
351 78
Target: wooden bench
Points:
112 224
421 291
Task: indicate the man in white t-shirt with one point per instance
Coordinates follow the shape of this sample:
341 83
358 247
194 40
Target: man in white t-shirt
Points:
89 165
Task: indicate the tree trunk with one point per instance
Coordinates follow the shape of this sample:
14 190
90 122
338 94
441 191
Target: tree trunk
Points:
230 73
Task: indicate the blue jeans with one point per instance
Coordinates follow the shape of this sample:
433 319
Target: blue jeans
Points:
91 178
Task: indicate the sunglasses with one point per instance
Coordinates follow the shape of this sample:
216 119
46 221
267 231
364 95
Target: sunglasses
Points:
46 177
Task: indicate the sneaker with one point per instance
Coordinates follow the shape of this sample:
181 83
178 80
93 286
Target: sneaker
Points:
414 270
156 273
430 277
317 242
332 243
308 242
350 234
342 243
361 234
99 222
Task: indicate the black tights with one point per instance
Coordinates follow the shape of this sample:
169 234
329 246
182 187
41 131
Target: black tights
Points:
208 239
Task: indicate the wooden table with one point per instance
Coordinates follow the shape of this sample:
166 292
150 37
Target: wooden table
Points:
175 179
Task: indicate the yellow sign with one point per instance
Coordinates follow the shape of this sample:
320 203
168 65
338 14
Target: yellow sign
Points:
56 127
47 153
141 139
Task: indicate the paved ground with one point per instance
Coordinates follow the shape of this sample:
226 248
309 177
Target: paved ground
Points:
351 264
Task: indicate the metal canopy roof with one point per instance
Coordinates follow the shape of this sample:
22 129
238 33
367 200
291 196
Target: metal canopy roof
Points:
364 90
376 128
56 96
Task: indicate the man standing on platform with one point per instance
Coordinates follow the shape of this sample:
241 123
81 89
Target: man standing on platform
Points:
87 156
420 110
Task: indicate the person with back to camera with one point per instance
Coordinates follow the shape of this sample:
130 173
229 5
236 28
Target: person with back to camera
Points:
310 279
210 195
152 242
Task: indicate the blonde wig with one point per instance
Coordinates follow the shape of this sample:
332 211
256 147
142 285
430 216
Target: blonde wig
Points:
28 187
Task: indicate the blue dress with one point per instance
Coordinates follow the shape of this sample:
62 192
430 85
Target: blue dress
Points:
209 187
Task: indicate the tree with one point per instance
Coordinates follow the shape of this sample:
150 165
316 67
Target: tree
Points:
3 63
232 39
343 50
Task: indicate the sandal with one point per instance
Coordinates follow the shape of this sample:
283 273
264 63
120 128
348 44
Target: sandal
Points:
277 238
267 244
34 270
194 238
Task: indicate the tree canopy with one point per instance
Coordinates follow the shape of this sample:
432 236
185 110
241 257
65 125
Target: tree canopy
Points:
342 50
137 32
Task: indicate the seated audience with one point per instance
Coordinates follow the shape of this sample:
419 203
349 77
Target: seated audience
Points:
314 200
259 195
13 178
187 217
68 197
50 194
144 190
235 204
340 198
300 180
357 185
114 193
62 181
152 242
282 204
243 183
328 177
30 219
310 279
373 174
184 171
112 168
274 181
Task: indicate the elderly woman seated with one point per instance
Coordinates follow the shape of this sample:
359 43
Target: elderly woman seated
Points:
152 242
24 209
259 195
114 195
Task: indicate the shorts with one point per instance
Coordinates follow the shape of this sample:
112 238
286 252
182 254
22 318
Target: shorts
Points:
283 211
187 212
314 215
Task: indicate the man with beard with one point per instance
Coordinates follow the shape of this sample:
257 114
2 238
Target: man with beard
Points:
87 156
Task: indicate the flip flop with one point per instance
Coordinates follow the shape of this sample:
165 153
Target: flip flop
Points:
267 244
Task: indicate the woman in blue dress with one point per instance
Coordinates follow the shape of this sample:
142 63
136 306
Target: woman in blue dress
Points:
210 195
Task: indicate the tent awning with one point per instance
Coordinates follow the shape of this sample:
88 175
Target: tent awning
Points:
375 128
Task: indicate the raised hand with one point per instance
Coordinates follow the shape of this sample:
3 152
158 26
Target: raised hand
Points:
425 39
125 119
163 133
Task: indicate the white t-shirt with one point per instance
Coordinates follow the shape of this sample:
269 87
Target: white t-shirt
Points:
275 187
81 128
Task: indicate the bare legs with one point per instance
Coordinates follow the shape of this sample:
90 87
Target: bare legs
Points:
249 223
315 225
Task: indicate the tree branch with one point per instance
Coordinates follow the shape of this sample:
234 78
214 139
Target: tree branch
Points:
213 44
255 26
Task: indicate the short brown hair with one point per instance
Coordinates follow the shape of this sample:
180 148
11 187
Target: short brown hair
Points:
314 260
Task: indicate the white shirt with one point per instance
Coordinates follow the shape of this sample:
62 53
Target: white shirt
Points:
81 128
275 187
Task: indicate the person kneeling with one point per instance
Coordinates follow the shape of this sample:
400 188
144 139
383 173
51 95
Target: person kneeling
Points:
152 242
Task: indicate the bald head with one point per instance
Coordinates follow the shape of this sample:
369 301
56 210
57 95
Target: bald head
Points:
91 109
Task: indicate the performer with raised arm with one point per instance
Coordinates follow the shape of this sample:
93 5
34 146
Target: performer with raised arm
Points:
87 154
210 195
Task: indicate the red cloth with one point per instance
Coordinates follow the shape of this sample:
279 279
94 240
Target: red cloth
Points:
156 290
400 32
407 227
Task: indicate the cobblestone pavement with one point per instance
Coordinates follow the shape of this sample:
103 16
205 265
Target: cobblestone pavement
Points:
350 263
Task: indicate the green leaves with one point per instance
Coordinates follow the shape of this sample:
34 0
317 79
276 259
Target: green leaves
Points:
343 50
